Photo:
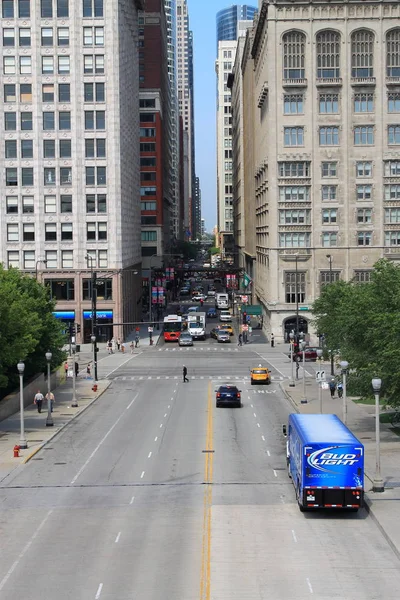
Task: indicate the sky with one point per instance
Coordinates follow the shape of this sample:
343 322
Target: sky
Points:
202 21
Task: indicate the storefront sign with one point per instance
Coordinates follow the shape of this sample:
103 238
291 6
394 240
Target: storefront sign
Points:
65 314
100 314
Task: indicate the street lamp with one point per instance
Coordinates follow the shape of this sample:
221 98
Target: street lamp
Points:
40 260
377 484
49 420
22 439
291 336
303 347
93 340
329 257
296 283
319 354
344 366
74 400
93 276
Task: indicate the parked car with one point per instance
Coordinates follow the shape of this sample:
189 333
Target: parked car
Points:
226 316
223 336
211 293
214 332
199 297
310 354
184 292
228 395
212 313
185 339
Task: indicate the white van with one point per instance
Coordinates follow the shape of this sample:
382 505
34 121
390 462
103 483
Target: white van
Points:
221 301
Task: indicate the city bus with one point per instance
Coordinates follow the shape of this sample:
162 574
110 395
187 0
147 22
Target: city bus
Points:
172 328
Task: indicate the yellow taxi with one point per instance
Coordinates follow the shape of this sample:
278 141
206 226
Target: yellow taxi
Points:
260 375
226 327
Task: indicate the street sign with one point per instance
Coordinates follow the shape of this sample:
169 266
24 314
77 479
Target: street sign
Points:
150 329
245 327
320 376
250 329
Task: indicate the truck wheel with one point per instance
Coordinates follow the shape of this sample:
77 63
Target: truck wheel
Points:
251 382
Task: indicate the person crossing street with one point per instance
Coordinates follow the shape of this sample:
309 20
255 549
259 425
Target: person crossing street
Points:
185 379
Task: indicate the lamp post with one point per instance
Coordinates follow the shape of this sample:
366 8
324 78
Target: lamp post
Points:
344 366
40 260
93 276
319 354
377 484
22 439
93 340
49 420
329 257
303 347
296 283
74 402
291 336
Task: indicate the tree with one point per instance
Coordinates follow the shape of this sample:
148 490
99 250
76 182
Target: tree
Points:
363 321
27 327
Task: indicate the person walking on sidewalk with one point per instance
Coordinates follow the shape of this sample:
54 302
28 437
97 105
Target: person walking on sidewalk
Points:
88 370
118 344
332 388
272 340
240 338
38 400
109 347
131 346
137 338
50 398
185 379
76 369
297 366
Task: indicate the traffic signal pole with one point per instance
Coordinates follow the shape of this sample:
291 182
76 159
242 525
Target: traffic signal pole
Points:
94 322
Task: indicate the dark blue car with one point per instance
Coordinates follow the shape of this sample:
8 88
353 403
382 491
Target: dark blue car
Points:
212 313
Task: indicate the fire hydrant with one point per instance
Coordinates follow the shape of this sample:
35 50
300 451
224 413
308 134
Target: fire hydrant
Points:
94 388
16 451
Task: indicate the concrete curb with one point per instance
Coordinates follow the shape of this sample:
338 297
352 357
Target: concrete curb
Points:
368 505
55 433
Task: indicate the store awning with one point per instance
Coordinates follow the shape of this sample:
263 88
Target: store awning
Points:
252 309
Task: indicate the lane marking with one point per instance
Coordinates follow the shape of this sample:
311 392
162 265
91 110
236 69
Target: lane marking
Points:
294 535
122 364
132 500
165 415
129 405
205 573
275 473
309 585
95 450
149 456
23 552
263 438
156 438
117 538
97 596
255 415
268 452
258 425
169 406
160 425
142 475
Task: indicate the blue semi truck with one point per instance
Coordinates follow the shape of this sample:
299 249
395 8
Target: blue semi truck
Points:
325 461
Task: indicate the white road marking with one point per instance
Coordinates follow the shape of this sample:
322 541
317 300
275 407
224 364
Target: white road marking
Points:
167 377
122 364
263 438
97 596
309 585
258 425
268 452
132 500
172 399
294 535
24 551
142 475
255 415
160 425
149 377
156 438
169 406
165 415
95 450
149 456
158 377
129 405
117 538
251 404
275 473
141 377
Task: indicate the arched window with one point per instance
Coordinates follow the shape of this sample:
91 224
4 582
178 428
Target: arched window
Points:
393 53
362 54
294 44
328 54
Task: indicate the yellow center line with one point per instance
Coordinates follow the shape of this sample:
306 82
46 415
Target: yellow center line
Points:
205 575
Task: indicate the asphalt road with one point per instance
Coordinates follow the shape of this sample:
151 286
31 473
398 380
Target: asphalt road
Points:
154 494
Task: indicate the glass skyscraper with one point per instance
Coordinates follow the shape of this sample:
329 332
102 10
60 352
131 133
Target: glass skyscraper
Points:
227 20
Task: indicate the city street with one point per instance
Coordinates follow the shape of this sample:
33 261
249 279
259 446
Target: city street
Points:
154 494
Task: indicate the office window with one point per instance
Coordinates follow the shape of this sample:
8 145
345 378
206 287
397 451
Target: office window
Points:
102 259
11 177
364 169
66 176
8 9
364 103
51 260
364 135
149 236
88 36
26 148
24 9
294 193
8 37
329 215
12 232
29 260
28 234
392 215
66 232
63 36
392 168
296 239
394 102
62 9
100 89
328 103
88 92
293 104
13 259
25 91
90 176
48 121
66 203
96 203
64 120
294 136
101 173
90 203
329 192
148 161
392 192
67 259
11 205
24 37
25 65
9 65
50 205
328 54
148 206
329 169
28 206
48 92
90 232
10 149
64 92
102 231
48 65
99 36
49 176
294 217
93 64
148 176
295 287
147 132
148 191
147 147
329 239
392 53
329 136
364 238
394 135
47 36
9 92
89 148
63 65
362 53
362 276
364 215
46 9
65 148
100 148
294 43
92 8
364 192
326 277
26 121
27 176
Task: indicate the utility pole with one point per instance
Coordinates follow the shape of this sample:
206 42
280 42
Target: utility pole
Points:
94 321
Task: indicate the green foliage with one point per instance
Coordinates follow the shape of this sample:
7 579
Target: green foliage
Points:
214 250
363 321
27 327
187 249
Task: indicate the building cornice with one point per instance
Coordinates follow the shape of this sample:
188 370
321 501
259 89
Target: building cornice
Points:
260 26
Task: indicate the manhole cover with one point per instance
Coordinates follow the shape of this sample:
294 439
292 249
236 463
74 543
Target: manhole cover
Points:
366 438
211 451
65 415
37 458
60 463
48 448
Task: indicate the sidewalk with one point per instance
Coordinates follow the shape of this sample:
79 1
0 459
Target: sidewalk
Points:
384 507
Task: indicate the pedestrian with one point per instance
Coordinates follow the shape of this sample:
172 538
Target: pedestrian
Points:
76 369
113 345
332 388
50 398
131 346
340 389
240 337
38 400
66 368
118 344
88 370
109 346
272 340
137 338
185 379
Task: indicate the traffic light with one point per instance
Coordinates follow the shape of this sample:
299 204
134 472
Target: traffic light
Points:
78 328
71 331
244 318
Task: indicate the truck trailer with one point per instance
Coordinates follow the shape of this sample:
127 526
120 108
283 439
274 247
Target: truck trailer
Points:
325 461
197 325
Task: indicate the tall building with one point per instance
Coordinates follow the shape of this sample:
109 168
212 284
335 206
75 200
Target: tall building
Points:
228 18
326 158
197 209
69 194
